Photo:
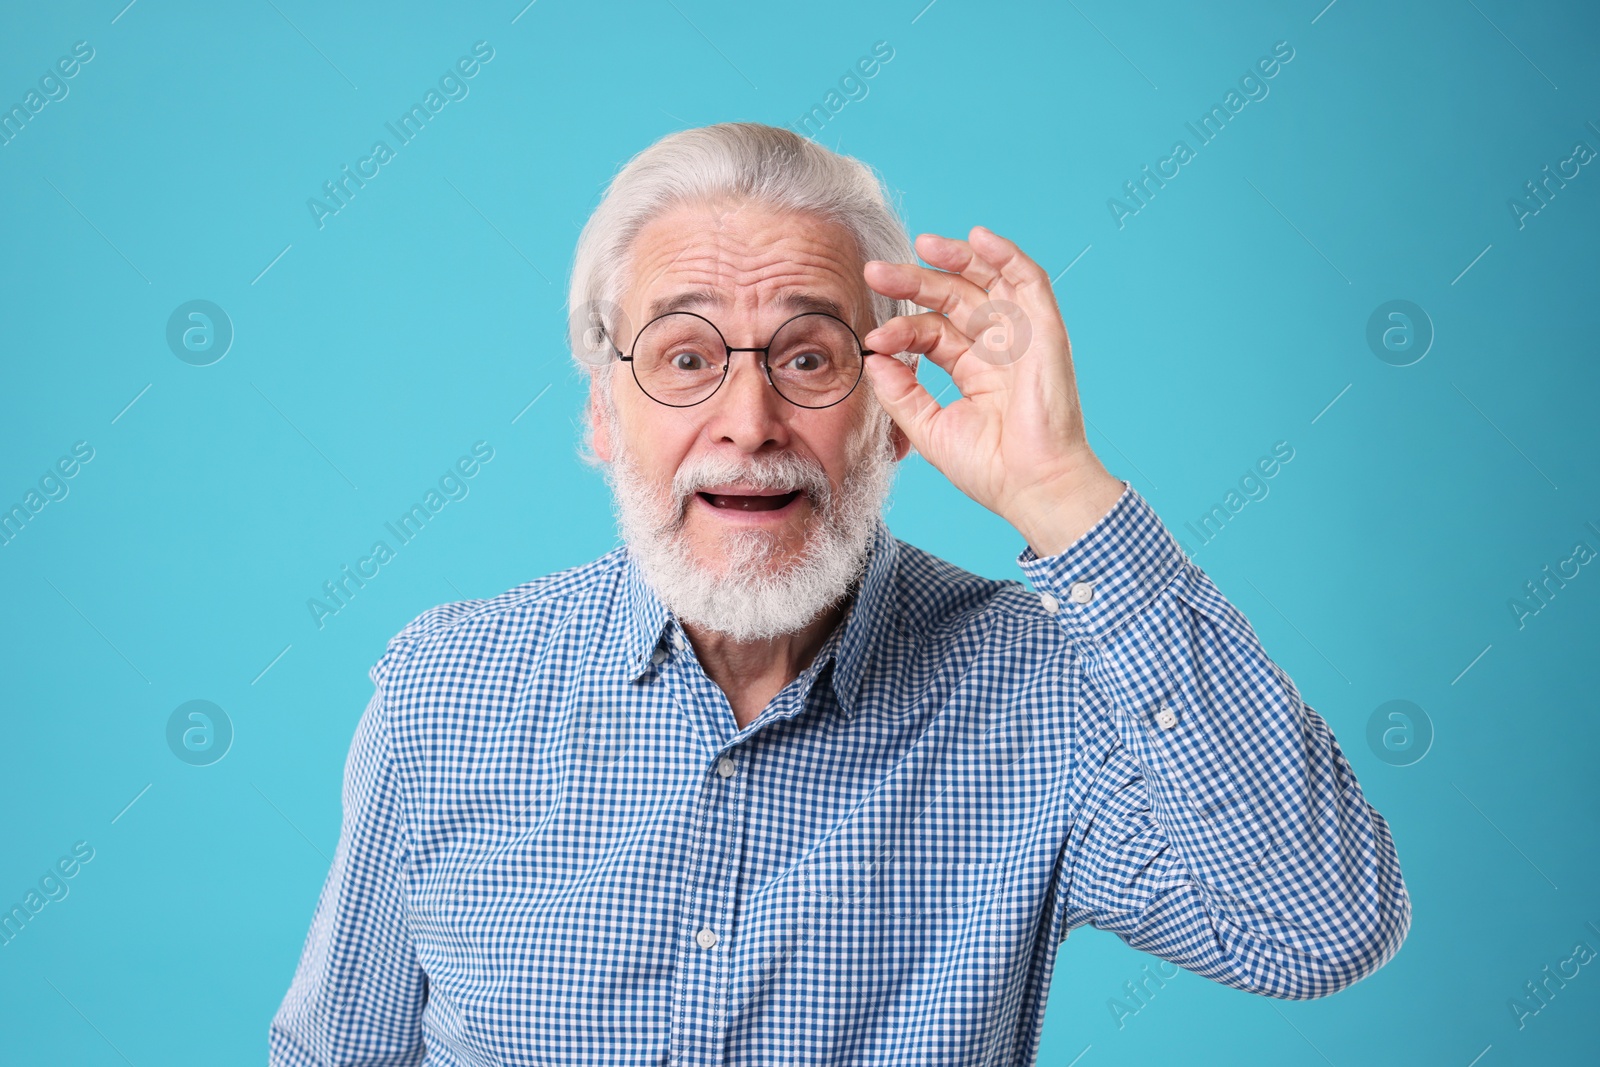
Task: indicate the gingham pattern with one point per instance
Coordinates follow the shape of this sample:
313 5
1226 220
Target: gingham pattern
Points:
542 860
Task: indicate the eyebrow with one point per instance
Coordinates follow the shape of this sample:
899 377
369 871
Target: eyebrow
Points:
797 302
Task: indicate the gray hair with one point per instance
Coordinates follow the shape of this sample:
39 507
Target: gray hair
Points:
742 162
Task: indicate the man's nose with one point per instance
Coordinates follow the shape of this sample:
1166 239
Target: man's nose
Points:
747 411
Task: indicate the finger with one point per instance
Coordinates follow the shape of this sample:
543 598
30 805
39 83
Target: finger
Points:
996 330
1036 309
947 293
1009 261
957 256
930 333
910 405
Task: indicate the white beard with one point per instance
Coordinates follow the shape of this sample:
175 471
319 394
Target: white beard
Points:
748 597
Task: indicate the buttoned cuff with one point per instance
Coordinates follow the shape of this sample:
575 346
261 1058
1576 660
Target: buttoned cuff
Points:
1113 571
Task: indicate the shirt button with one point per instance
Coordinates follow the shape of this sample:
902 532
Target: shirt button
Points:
658 657
706 938
1080 592
726 767
1166 717
1051 604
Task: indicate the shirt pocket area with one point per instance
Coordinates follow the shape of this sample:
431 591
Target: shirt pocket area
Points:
882 957
894 888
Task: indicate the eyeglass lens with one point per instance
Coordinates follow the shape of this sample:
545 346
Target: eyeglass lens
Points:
680 359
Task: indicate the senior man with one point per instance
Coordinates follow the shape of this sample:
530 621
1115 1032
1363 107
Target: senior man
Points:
766 785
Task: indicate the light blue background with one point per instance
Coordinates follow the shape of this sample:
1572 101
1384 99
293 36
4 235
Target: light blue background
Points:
1225 316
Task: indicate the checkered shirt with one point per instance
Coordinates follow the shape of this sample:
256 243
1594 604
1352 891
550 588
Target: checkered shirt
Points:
558 846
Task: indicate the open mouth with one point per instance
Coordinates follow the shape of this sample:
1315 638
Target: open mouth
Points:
764 502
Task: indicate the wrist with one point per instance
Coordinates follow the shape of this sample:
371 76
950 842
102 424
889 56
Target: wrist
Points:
1058 513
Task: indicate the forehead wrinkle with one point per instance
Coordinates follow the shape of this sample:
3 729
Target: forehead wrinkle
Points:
778 287
752 243
794 300
713 265
752 267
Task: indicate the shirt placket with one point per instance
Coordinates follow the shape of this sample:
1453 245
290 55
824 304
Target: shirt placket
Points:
703 977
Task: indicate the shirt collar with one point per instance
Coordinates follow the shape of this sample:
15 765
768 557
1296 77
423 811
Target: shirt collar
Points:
651 627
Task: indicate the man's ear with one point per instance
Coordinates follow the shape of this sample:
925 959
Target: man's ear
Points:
902 443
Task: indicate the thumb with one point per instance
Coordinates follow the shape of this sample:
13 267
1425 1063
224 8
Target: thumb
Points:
910 405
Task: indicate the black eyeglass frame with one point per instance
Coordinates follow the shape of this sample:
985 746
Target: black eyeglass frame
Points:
727 363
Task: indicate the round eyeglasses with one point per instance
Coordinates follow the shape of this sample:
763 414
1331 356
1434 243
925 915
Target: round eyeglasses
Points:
813 361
